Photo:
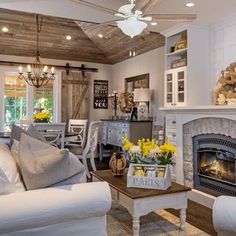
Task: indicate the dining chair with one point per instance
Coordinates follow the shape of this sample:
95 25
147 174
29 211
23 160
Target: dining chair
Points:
53 132
25 123
77 126
88 152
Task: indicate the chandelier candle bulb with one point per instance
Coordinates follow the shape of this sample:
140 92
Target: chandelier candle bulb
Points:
29 68
45 69
52 70
20 69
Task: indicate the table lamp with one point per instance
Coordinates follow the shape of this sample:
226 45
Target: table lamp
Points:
142 96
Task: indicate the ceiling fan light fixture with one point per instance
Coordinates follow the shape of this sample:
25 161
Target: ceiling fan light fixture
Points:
132 26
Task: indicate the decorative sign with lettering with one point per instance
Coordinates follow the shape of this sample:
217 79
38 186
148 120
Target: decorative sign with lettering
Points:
148 182
100 94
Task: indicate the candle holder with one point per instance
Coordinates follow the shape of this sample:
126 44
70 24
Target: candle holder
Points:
114 101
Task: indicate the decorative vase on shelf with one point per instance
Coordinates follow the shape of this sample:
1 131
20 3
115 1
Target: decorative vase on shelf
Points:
181 44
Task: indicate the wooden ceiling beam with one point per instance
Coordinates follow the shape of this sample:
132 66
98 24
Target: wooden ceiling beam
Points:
79 68
145 5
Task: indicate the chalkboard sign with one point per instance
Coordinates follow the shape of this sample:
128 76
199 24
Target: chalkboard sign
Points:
100 94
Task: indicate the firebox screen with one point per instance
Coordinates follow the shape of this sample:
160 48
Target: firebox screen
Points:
216 164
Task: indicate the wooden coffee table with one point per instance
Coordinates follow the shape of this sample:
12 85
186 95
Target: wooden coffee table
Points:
139 201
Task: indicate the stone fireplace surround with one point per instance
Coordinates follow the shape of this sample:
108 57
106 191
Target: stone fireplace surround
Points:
209 125
191 121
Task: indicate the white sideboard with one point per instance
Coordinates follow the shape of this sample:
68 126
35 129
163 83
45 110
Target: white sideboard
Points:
113 130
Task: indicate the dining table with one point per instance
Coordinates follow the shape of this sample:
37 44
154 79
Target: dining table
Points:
69 136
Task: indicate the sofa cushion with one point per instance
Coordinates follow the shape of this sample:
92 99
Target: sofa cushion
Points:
15 151
43 165
16 132
9 177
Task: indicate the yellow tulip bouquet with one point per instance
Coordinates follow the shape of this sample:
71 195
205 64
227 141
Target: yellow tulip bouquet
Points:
148 151
42 117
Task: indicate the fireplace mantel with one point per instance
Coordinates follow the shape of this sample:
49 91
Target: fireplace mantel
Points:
202 109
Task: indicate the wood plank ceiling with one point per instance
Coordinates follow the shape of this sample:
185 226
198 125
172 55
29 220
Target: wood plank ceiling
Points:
85 44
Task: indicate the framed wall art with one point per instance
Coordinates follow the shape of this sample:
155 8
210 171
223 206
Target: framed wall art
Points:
100 94
139 81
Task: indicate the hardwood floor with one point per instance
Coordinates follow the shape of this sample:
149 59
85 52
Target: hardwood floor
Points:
197 215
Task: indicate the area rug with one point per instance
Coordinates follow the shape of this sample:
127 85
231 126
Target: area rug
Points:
159 223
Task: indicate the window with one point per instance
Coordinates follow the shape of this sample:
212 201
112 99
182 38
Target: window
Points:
43 99
14 101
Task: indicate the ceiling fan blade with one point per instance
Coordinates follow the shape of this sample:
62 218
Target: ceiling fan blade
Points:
96 25
145 5
173 17
120 15
95 6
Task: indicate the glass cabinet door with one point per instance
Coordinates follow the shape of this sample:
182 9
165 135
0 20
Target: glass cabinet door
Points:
175 87
169 88
180 89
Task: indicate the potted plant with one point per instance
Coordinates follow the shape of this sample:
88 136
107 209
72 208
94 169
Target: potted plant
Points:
42 117
149 163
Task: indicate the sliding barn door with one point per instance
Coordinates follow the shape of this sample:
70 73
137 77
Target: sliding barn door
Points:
74 96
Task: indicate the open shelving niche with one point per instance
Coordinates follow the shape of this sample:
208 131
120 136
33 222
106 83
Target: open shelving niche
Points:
172 56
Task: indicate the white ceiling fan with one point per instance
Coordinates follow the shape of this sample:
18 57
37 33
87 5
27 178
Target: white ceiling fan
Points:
133 20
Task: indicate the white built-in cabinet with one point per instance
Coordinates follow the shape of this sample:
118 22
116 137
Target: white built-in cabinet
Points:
175 87
187 83
187 73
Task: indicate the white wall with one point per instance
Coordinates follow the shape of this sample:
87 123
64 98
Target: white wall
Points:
104 73
152 62
223 47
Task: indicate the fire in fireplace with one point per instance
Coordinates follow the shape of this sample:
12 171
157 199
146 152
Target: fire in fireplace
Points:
215 164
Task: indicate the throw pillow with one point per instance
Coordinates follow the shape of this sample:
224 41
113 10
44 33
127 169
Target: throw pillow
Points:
9 177
16 132
15 151
43 165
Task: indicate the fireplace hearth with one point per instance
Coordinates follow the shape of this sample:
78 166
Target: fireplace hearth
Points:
214 164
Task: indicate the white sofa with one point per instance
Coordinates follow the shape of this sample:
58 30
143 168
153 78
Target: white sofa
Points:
77 209
224 216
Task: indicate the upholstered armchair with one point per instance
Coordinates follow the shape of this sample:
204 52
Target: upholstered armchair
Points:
224 216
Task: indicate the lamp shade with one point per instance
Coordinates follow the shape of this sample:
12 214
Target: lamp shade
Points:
132 26
142 95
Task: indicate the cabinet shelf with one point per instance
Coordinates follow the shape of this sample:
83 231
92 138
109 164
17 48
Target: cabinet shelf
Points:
178 53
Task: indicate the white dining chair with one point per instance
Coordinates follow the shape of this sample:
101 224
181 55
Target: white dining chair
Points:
25 123
77 126
88 152
53 132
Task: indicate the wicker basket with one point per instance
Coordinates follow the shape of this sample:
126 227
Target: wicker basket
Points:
161 180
